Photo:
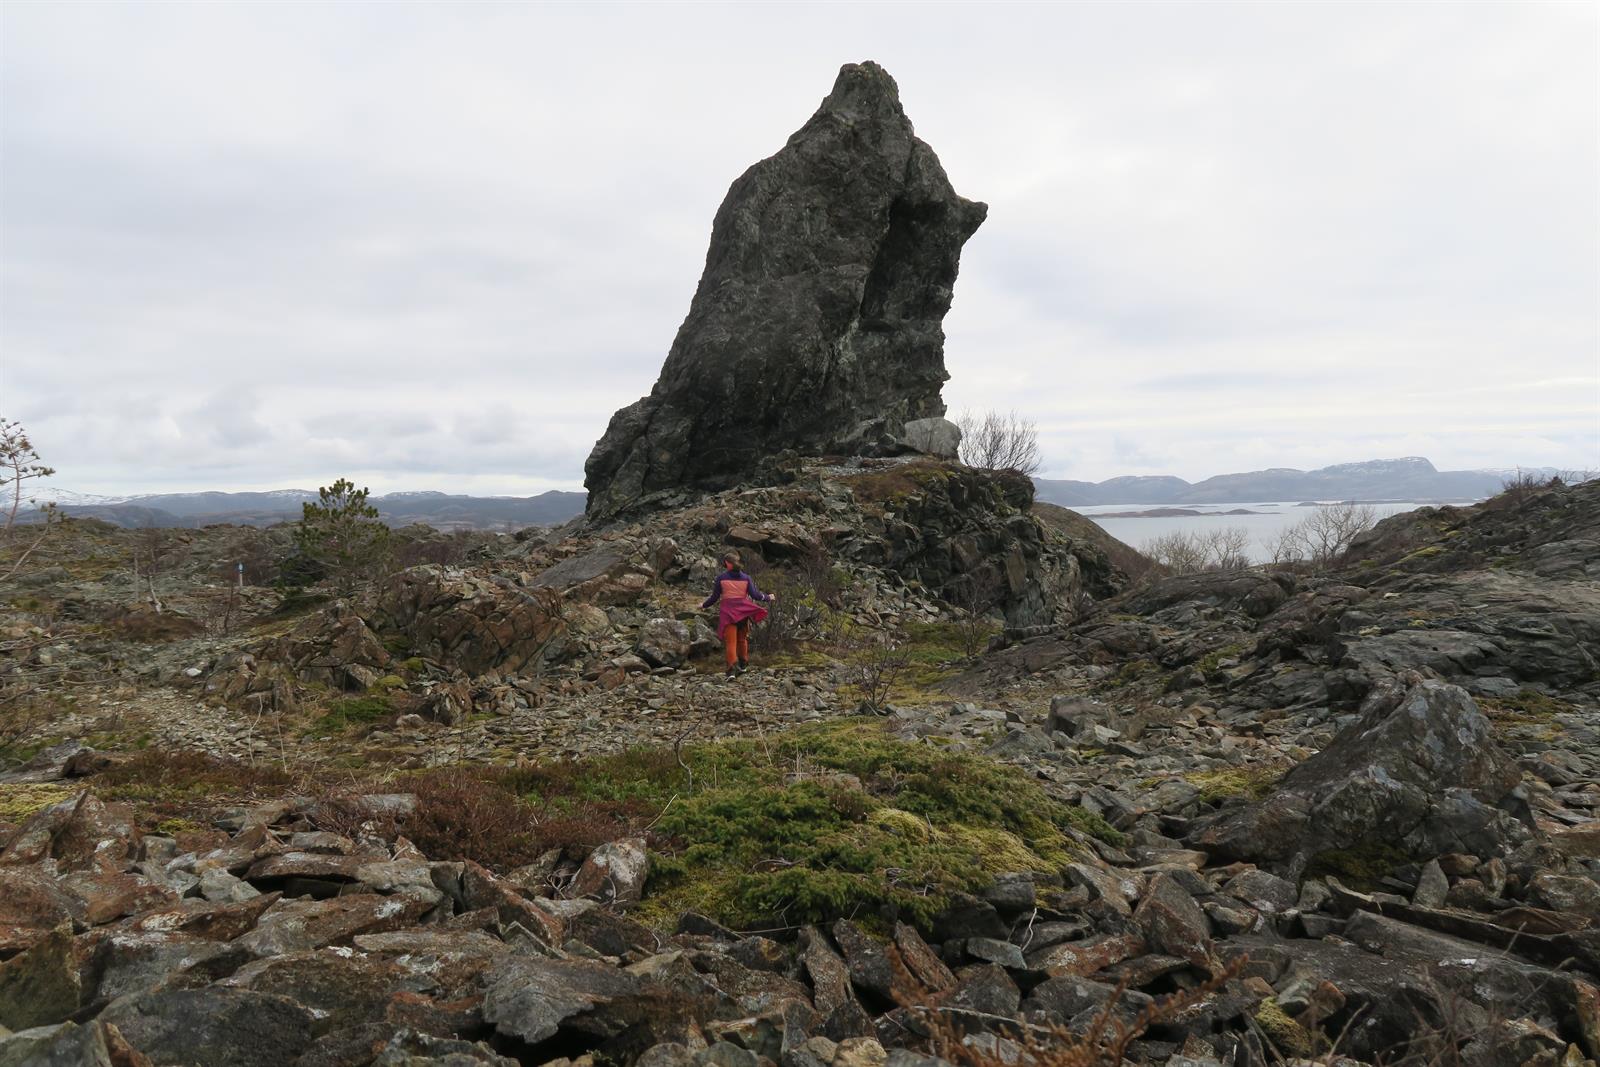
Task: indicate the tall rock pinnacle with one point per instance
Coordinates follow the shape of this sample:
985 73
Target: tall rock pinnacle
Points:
817 323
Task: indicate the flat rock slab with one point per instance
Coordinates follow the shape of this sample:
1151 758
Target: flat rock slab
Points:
530 998
1084 958
214 1027
205 919
303 925
344 988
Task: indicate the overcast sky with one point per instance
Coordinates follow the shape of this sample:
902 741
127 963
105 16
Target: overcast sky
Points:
436 245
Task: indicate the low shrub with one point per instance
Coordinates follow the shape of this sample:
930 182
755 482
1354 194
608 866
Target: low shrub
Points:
479 814
343 715
158 774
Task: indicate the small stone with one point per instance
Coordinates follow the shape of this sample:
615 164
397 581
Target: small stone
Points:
1174 923
1469 893
615 871
727 1054
867 959
220 887
991 950
859 1052
1432 886
1568 893
1229 919
1262 890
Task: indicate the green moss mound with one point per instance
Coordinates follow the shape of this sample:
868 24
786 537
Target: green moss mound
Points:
844 819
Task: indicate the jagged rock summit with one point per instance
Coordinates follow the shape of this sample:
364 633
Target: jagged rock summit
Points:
816 326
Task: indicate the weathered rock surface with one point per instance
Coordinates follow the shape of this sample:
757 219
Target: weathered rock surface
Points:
817 323
1419 771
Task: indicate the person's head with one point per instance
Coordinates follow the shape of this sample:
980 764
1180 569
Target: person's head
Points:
731 561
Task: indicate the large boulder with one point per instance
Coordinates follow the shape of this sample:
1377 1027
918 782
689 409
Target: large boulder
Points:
664 642
1418 770
817 323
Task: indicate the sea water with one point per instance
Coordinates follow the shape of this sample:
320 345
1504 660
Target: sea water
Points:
1265 524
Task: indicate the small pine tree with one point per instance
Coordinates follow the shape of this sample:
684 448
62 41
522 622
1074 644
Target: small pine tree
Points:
343 535
19 462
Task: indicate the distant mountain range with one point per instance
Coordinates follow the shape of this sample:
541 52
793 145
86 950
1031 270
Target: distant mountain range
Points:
1411 478
442 511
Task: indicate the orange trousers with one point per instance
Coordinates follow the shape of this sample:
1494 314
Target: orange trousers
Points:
736 642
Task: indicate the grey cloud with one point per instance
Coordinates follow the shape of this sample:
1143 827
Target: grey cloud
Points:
439 245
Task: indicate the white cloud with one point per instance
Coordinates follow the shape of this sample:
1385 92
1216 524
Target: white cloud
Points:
435 246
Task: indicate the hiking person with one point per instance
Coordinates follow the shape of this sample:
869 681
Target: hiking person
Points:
741 605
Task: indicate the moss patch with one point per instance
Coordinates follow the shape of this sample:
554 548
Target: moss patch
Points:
350 712
896 483
1211 662
1528 706
1252 782
1361 867
18 802
843 819
1134 671
1288 1036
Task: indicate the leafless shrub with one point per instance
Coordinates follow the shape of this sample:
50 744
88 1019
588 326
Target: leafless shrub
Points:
1323 536
219 610
810 592
1525 483
876 663
1193 551
481 814
999 442
976 595
817 574
784 627
254 554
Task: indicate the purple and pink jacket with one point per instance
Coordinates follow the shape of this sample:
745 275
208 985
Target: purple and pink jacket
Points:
738 593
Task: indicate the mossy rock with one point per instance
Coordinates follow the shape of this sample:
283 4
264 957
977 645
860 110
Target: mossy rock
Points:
1362 867
20 802
1252 782
1287 1036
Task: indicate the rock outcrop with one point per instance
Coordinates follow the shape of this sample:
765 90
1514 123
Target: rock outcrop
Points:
1419 770
816 326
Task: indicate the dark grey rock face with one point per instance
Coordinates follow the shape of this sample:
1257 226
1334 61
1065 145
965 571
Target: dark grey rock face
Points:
817 322
1420 769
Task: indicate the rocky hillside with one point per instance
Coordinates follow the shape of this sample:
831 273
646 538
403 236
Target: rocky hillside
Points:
993 792
506 809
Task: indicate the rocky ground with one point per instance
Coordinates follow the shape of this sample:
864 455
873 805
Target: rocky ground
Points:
506 808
